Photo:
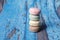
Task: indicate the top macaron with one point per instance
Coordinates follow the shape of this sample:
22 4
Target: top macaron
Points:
34 11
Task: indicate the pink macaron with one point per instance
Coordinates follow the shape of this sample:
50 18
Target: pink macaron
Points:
34 11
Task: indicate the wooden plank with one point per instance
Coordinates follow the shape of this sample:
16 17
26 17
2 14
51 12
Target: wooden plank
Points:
1 4
42 35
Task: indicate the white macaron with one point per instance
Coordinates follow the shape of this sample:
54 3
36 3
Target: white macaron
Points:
34 23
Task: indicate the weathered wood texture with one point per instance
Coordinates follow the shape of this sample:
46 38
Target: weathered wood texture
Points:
15 14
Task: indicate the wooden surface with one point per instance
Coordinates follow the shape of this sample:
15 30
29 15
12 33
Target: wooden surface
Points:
15 14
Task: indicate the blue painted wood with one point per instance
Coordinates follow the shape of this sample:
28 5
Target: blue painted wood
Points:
15 14
51 19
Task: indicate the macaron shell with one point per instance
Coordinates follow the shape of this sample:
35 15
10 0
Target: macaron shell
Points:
34 23
34 17
34 11
34 29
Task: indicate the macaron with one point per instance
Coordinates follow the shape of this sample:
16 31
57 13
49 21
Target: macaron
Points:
34 29
34 23
34 17
34 11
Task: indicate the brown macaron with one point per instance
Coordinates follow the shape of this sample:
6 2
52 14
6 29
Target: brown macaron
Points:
34 29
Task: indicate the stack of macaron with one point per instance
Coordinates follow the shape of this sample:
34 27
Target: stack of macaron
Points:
34 19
